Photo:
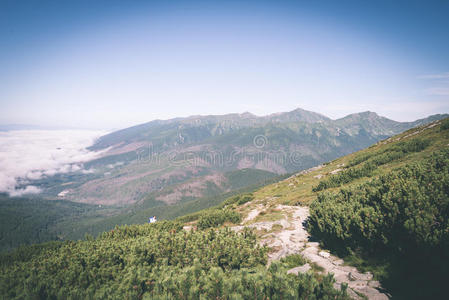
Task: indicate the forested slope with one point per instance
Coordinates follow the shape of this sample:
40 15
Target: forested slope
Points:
399 220
25 221
383 209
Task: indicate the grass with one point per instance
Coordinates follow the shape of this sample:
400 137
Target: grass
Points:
316 268
297 189
276 228
294 260
269 215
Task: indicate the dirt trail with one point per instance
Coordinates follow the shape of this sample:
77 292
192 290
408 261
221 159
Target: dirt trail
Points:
293 238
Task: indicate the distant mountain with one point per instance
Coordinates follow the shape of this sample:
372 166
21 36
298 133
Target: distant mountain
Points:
197 128
170 161
382 227
182 131
297 115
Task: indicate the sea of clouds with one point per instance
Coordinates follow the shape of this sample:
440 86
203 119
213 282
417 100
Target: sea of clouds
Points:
27 155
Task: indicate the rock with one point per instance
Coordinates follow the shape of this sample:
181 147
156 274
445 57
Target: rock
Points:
293 238
300 269
336 171
324 254
318 176
359 276
338 262
253 213
351 277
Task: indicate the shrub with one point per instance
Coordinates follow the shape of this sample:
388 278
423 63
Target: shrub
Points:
403 215
372 160
445 125
293 260
239 200
217 217
151 262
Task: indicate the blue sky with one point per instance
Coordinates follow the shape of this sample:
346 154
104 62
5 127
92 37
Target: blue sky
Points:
111 64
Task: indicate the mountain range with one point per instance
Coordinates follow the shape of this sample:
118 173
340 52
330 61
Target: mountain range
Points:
170 161
377 219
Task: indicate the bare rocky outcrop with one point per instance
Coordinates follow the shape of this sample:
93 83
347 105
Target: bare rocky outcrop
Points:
293 238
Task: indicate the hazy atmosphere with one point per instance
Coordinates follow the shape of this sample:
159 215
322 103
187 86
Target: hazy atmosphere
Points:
112 64
224 149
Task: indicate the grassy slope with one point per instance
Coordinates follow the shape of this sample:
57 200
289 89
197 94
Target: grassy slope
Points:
298 190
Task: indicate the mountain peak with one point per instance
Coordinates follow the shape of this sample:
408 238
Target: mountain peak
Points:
363 114
247 114
368 112
298 115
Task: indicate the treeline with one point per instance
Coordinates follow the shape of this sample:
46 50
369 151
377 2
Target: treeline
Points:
371 162
27 221
218 217
183 211
156 261
403 215
219 214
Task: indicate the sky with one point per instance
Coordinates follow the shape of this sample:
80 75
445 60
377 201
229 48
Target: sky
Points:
112 64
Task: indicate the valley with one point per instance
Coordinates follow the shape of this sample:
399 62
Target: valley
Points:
309 226
181 159
224 150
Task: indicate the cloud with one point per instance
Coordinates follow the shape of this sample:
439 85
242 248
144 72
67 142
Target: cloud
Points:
31 189
29 155
438 91
439 84
444 75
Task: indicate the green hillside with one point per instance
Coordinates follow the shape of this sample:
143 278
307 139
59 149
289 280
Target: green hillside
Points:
27 221
157 261
384 209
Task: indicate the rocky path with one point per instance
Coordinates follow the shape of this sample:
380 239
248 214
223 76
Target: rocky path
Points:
293 238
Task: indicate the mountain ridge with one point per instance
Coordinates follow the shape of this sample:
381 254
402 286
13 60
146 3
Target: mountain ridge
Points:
161 155
248 119
380 228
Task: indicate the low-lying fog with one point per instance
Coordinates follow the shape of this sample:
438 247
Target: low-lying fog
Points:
27 155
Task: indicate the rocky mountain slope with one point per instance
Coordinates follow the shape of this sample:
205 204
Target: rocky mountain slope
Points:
170 161
369 225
